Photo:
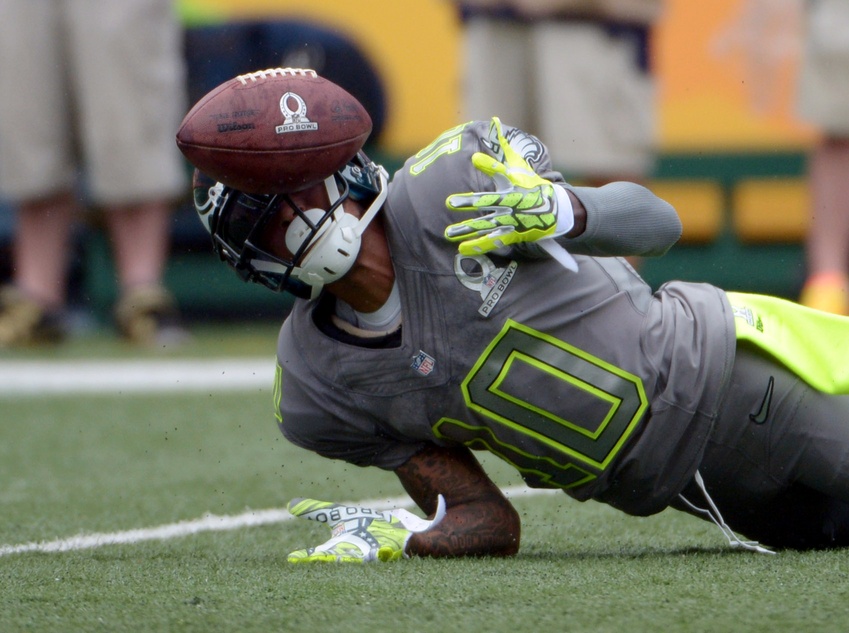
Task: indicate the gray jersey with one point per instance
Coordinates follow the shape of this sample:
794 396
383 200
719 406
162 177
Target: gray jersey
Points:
584 381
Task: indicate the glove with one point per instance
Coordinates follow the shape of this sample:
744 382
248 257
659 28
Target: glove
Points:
360 535
522 209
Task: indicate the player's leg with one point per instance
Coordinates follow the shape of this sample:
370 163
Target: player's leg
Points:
775 464
797 518
815 448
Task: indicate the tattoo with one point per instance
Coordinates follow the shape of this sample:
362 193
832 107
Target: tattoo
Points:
480 520
470 531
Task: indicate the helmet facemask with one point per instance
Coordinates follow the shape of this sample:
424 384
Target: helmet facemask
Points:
324 242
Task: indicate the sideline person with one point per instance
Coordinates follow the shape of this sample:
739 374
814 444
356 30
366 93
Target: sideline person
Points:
89 95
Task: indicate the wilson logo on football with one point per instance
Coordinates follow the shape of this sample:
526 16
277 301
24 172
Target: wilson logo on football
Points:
295 120
232 126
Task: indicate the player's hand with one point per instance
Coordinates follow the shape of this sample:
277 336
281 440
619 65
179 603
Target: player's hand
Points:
360 535
522 209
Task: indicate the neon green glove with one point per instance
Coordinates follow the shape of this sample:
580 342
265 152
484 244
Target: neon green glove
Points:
360 535
523 209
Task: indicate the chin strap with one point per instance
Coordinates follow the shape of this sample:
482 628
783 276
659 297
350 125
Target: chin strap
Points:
375 206
334 250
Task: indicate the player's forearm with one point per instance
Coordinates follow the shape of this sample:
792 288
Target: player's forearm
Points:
623 219
477 529
479 521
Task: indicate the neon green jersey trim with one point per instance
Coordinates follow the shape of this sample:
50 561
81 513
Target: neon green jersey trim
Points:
814 345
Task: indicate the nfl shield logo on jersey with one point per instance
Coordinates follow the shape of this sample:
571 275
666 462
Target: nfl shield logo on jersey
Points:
423 363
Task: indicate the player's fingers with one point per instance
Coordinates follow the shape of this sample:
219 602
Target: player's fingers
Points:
330 513
488 165
515 162
480 226
471 201
490 241
309 508
313 556
465 230
320 511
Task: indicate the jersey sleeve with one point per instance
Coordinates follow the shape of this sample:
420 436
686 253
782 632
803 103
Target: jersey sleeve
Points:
321 414
347 440
624 218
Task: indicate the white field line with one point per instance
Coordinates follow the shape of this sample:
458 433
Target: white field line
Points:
27 378
208 523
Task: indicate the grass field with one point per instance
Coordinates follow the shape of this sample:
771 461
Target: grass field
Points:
134 475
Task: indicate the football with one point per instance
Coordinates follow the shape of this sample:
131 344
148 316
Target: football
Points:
274 131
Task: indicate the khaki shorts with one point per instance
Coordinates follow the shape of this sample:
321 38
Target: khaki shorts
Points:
91 86
574 86
824 75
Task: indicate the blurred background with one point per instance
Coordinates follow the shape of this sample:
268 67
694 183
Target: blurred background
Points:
731 157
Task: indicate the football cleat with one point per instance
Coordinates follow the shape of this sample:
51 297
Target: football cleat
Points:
25 322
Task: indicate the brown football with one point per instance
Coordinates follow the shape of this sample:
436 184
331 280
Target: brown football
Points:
274 131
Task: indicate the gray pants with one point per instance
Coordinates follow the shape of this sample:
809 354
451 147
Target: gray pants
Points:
778 468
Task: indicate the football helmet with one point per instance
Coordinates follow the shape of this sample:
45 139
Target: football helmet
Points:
324 243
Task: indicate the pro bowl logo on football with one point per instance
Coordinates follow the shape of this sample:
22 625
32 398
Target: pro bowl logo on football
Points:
295 120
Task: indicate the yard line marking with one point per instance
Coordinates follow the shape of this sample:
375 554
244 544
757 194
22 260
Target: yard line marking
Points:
211 523
23 378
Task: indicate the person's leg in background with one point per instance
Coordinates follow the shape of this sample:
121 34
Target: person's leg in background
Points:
497 78
31 308
135 171
827 241
599 115
146 312
823 94
37 170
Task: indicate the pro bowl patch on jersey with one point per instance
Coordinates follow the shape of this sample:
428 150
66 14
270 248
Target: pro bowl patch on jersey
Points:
294 120
423 363
479 273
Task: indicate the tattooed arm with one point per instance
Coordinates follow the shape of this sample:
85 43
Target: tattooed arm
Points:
479 520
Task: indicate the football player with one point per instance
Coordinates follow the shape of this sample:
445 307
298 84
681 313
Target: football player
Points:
480 302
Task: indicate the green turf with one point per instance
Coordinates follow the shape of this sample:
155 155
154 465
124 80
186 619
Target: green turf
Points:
71 465
222 339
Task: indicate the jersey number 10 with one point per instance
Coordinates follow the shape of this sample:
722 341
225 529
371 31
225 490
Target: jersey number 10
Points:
516 385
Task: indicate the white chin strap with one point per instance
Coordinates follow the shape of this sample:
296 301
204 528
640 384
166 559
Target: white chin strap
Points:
334 249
